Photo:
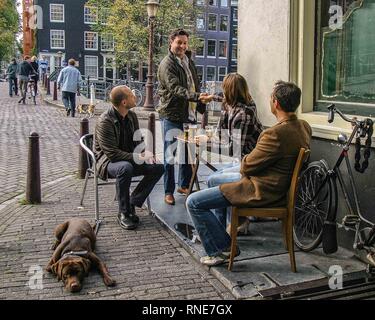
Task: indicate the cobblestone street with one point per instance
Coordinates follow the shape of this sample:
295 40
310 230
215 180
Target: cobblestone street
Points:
147 263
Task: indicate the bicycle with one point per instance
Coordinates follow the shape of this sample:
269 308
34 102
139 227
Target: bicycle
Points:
31 90
317 198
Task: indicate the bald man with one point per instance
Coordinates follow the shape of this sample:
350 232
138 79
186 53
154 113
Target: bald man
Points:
120 157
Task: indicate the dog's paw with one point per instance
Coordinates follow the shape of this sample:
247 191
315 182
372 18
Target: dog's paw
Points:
109 282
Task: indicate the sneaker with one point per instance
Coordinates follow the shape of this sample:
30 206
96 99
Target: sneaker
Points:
68 112
133 216
213 261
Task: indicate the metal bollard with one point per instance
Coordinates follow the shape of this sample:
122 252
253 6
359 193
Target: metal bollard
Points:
54 91
151 128
83 163
48 87
33 188
204 120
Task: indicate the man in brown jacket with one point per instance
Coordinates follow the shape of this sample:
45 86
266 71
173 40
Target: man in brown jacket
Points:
266 174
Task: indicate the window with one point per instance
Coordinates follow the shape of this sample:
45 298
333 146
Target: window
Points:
200 48
234 52
211 48
235 14
345 57
201 22
104 15
91 67
212 22
234 2
90 15
200 73
57 39
212 2
235 32
223 49
211 73
224 23
56 12
107 43
91 40
200 2
222 71
224 3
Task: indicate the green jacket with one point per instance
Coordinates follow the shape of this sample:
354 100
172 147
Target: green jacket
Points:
12 71
173 90
107 141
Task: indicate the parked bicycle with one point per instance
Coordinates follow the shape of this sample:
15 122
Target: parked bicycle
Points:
317 200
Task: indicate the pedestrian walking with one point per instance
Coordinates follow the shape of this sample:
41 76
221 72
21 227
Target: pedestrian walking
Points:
69 82
12 77
24 71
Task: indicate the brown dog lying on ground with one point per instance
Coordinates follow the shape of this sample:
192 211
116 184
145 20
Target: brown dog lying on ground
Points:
74 254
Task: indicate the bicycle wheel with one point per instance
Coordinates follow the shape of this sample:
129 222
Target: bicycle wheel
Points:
311 209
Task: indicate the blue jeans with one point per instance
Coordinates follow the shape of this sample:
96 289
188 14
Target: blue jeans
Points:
13 82
211 231
230 173
69 101
185 171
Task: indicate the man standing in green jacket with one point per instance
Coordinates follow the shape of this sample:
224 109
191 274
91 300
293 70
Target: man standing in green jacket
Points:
180 98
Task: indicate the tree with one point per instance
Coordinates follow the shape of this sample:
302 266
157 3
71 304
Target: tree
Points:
9 27
127 21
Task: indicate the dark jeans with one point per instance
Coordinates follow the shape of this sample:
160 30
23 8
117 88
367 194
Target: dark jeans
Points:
69 101
13 82
23 87
123 172
185 171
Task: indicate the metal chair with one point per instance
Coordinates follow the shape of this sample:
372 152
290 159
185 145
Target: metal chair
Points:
87 142
286 214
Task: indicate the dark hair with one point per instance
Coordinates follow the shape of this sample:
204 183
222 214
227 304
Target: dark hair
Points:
176 33
117 95
26 57
72 62
288 95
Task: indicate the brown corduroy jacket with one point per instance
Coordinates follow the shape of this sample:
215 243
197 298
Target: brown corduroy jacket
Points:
267 170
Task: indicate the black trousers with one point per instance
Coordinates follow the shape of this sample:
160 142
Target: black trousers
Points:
123 172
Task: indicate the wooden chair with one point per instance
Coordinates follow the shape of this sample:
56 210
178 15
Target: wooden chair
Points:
286 214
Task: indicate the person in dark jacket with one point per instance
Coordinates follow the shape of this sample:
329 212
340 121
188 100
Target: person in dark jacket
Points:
120 157
12 77
35 75
24 71
180 98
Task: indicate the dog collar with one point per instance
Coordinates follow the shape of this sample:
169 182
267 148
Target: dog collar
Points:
75 253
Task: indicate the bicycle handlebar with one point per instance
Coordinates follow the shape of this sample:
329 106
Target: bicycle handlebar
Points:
332 109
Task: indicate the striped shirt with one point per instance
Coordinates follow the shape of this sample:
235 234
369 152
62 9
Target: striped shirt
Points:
240 125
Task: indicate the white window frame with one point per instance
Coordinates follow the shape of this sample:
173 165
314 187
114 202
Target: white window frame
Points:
227 42
101 42
85 15
208 21
214 68
85 41
213 5
97 66
63 12
221 4
212 57
233 57
50 38
201 3
219 74
204 71
101 15
204 48
228 24
204 22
